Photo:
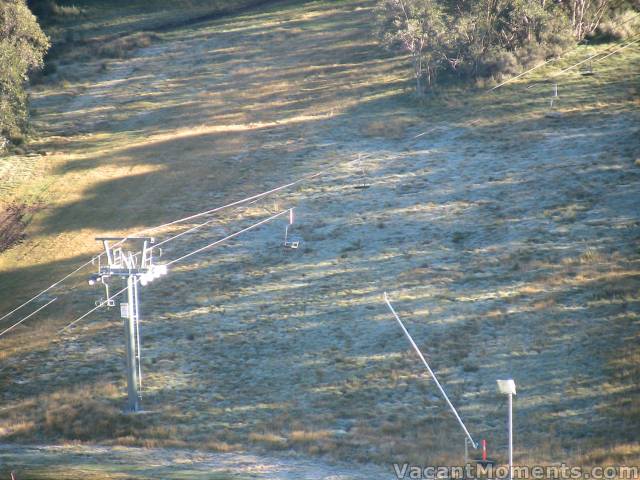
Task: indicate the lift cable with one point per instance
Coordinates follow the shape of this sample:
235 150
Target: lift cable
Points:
179 259
433 375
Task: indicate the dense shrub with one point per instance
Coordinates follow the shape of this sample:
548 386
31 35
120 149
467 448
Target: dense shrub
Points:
531 55
491 38
498 63
22 47
49 10
621 26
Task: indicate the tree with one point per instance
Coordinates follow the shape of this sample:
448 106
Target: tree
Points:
473 38
586 15
22 49
418 27
487 26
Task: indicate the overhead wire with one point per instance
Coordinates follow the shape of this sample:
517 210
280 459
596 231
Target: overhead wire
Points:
512 79
179 259
158 227
27 317
288 185
137 253
98 305
591 57
53 285
174 222
619 49
228 237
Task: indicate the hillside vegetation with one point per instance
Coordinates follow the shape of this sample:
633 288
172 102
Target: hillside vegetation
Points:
496 38
506 237
22 48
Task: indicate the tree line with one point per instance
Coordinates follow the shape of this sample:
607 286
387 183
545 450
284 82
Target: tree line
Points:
493 38
463 39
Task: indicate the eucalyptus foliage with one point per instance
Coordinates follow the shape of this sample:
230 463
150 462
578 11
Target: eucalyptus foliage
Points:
22 49
484 38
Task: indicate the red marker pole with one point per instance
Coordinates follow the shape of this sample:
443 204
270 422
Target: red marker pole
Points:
484 450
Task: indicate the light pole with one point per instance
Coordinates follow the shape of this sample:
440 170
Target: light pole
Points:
508 388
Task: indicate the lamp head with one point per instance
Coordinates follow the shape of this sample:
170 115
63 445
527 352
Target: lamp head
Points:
146 278
507 387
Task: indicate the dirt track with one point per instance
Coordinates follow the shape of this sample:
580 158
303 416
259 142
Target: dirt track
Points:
138 463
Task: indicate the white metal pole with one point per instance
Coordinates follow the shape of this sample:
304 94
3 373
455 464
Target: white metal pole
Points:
138 351
510 436
466 451
130 347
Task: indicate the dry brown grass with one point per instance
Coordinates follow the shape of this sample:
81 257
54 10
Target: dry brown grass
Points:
623 454
269 440
308 436
84 413
124 46
393 128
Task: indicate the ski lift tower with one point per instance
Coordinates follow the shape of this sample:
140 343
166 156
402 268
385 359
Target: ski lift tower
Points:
137 268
